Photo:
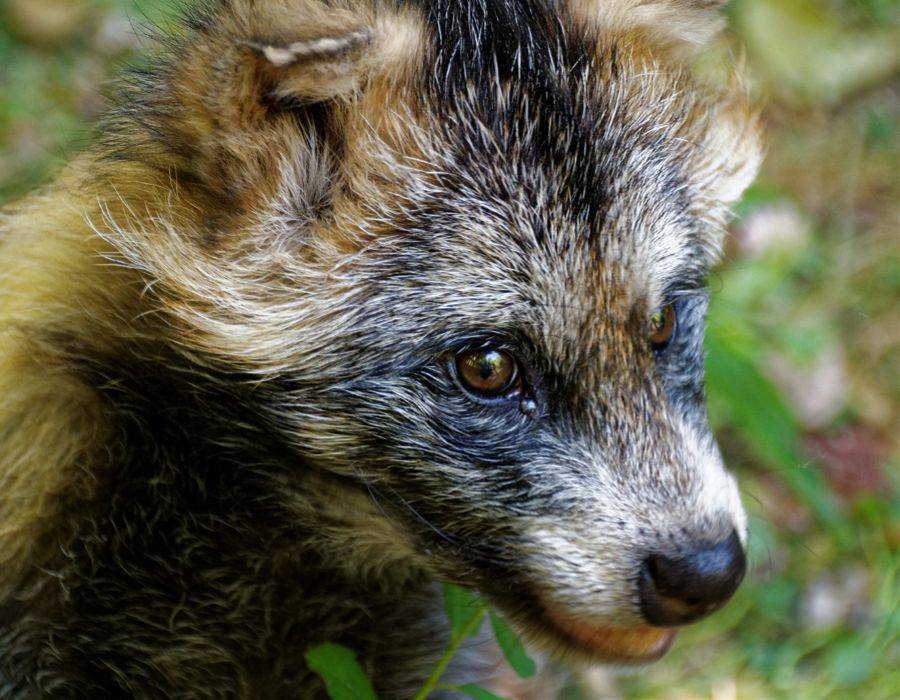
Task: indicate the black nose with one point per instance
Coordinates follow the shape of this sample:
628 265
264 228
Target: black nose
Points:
680 589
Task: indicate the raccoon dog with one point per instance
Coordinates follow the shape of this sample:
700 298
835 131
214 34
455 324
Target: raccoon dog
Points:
351 297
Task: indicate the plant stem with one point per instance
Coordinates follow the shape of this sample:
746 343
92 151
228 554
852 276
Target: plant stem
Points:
455 642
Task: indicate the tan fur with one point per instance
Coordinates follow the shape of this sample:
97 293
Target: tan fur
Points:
681 26
51 425
234 125
59 260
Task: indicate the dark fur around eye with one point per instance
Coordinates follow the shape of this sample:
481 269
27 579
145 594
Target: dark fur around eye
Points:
681 363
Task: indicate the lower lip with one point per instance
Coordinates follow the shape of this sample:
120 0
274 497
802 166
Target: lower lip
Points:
633 645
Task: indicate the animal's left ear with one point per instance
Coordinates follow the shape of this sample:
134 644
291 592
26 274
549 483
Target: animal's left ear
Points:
729 152
727 139
679 25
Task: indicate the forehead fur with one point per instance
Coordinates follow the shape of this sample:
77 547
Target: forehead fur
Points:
520 119
549 124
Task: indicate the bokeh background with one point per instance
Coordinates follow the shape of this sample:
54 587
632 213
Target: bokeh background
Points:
804 333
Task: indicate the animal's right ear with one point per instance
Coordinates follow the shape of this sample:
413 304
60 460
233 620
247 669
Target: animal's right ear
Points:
310 70
231 90
304 51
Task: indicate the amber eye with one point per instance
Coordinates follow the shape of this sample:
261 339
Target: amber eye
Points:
662 327
487 372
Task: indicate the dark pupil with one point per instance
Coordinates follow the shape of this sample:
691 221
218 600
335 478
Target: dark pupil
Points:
489 364
487 371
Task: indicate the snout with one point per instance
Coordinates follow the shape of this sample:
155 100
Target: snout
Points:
680 588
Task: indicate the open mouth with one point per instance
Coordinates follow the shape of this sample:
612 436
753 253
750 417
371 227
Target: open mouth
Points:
625 645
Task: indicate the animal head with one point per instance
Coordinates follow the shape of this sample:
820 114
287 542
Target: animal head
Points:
460 248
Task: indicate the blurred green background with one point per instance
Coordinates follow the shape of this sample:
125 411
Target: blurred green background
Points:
804 333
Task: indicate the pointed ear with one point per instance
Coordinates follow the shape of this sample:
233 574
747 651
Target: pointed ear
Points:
732 151
235 95
679 25
316 52
300 51
312 70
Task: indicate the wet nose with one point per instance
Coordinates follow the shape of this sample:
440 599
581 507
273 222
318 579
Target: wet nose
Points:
679 589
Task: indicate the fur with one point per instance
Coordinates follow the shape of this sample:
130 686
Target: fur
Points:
227 428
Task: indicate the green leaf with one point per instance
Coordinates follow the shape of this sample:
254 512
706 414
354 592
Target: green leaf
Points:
851 662
343 676
768 428
512 648
462 605
465 610
476 692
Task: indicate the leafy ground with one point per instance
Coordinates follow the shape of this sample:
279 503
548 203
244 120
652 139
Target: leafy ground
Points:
804 337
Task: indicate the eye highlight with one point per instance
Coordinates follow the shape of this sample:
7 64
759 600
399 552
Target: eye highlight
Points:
663 325
487 372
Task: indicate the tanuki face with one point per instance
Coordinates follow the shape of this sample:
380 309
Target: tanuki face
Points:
455 256
480 284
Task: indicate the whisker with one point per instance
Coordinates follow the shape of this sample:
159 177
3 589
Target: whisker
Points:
421 518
